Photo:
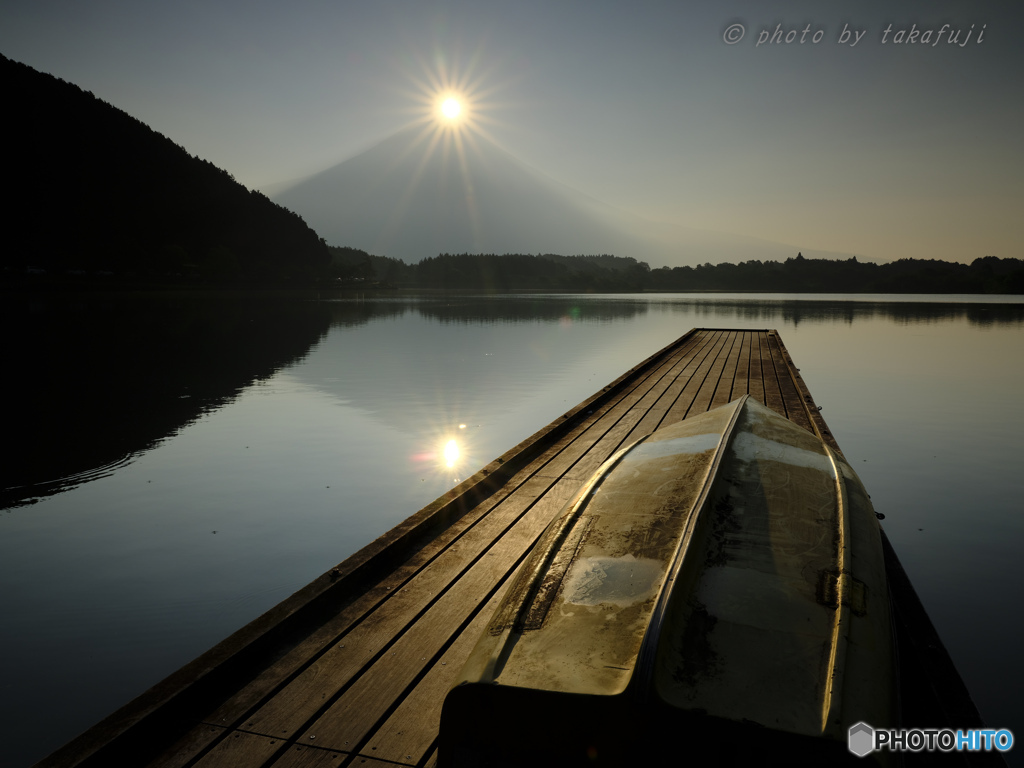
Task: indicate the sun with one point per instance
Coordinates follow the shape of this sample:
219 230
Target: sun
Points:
451 108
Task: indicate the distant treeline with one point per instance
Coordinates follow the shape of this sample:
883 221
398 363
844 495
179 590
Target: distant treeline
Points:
95 192
489 272
548 272
799 275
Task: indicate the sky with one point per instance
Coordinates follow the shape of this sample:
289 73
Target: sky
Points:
696 113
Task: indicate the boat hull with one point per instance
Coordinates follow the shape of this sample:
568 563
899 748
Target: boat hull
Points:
716 588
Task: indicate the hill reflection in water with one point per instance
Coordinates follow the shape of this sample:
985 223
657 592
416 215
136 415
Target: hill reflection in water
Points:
92 380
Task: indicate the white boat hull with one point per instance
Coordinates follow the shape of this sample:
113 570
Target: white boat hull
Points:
718 581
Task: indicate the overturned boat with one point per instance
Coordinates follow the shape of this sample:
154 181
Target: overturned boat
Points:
716 591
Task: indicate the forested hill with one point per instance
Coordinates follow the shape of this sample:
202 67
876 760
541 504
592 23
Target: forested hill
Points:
93 192
489 272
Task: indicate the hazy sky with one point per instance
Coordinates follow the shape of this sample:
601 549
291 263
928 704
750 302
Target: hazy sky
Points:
885 150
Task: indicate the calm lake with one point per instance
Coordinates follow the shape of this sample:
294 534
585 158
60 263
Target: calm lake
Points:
176 464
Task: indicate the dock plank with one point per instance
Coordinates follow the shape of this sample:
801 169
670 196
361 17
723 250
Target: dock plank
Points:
769 378
726 381
687 401
612 425
705 395
411 730
741 381
755 378
796 409
309 756
657 414
241 748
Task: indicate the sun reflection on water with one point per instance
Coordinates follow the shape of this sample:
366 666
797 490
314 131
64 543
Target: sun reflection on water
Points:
451 453
447 457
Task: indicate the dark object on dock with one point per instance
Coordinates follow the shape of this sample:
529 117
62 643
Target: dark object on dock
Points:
722 575
352 669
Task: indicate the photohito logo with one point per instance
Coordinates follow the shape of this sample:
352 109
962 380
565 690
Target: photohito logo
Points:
862 739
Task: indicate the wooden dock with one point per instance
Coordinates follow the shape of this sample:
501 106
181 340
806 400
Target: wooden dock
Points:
353 668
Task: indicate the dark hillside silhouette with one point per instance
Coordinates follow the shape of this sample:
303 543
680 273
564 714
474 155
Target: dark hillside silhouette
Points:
95 192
